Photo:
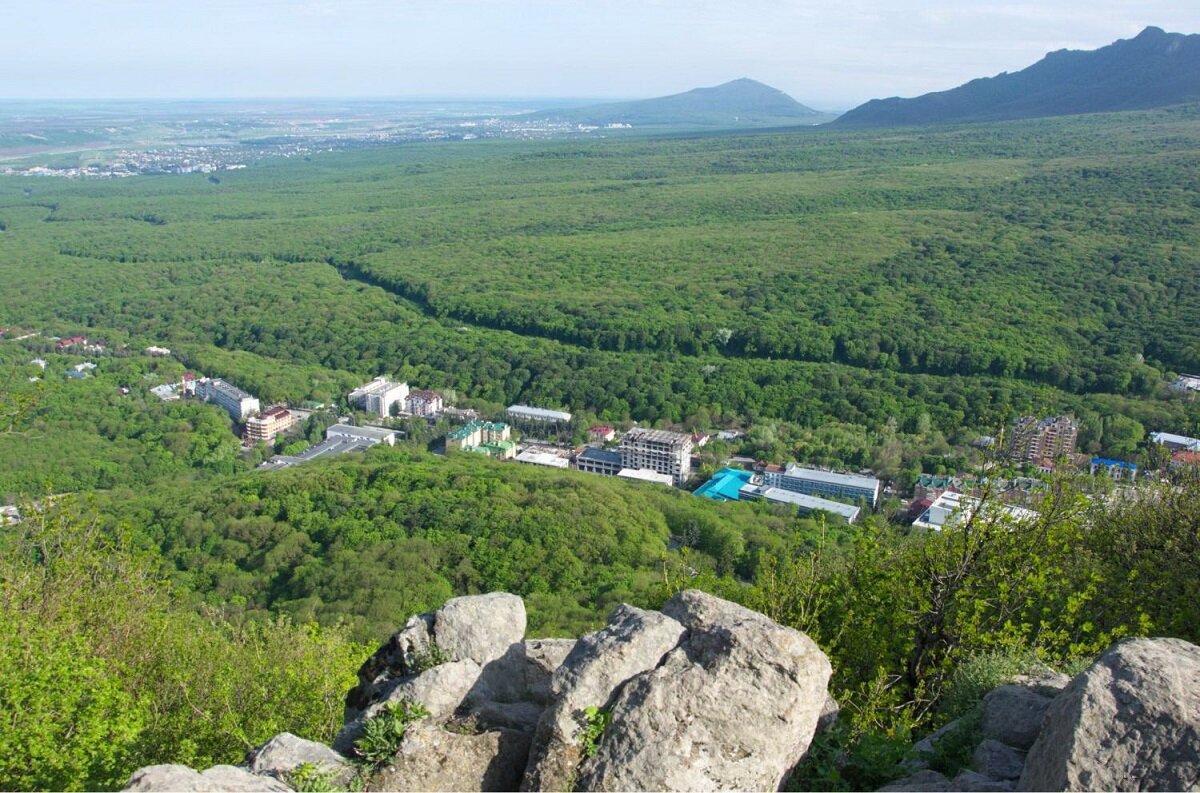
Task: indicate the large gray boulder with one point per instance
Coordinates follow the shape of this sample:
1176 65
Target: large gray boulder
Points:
925 780
733 708
219 779
632 642
284 753
1129 722
431 758
480 627
970 781
543 657
998 760
476 628
922 751
1012 715
440 690
405 653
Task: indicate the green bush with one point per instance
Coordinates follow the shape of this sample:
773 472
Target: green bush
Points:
597 720
383 732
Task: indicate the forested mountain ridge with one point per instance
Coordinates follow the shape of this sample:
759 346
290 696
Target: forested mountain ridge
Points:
738 103
1154 69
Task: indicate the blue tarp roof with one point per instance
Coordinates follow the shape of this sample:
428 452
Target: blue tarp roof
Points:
725 484
1107 462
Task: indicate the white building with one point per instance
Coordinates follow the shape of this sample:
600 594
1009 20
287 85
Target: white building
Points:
371 435
423 403
536 456
814 482
666 452
524 413
379 395
236 402
646 475
804 503
951 509
157 352
1186 383
1176 442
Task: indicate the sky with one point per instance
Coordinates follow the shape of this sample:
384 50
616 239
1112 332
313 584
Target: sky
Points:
829 55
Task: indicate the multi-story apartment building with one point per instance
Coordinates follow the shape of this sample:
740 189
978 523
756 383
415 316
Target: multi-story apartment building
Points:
1044 439
266 425
477 433
378 396
814 482
658 450
237 402
423 403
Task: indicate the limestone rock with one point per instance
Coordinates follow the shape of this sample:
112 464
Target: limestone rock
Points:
921 752
441 690
481 628
920 781
1129 722
430 758
733 708
399 657
285 753
542 658
633 641
219 779
998 761
979 783
830 712
164 778
234 780
1012 714
477 628
1048 683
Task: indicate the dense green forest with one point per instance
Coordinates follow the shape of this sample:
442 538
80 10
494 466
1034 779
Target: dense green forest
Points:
808 277
853 299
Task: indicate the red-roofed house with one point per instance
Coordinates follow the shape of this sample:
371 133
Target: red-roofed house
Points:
73 341
602 433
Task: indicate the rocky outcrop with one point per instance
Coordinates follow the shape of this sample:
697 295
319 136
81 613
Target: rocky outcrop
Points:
284 753
1013 715
1129 722
633 641
921 780
432 758
218 779
733 707
702 695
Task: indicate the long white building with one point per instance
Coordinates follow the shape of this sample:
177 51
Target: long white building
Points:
814 482
237 402
378 396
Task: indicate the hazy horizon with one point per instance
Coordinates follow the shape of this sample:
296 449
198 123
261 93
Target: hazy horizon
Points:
538 50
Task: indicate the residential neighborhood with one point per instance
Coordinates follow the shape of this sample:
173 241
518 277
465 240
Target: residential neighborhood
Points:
383 411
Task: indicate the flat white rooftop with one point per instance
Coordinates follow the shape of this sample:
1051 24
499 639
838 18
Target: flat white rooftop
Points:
366 433
538 457
829 477
951 508
538 414
1176 440
804 502
646 475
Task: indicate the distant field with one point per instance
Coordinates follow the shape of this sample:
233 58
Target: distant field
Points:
966 272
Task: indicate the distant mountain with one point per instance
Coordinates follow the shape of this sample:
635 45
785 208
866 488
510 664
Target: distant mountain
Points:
740 103
1155 69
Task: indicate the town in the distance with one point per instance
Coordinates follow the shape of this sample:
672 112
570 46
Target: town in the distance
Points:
1012 474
